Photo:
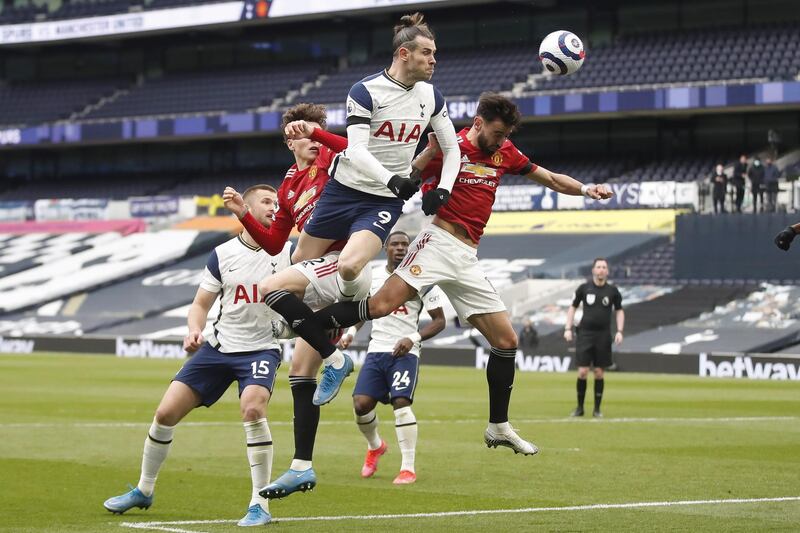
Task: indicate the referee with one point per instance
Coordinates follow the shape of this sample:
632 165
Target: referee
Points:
593 346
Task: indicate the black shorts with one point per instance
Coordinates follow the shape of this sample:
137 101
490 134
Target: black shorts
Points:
593 348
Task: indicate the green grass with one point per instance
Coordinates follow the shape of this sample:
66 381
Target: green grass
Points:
57 466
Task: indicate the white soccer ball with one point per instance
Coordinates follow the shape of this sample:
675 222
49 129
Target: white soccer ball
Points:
561 53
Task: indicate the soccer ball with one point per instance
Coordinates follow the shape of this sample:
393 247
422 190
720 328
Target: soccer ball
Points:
561 53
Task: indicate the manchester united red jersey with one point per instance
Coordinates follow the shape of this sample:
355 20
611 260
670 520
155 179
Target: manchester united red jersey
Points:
473 193
297 196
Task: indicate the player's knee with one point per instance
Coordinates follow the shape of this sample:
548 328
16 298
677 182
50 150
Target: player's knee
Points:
166 417
253 411
599 373
506 341
399 403
583 372
266 286
349 269
362 405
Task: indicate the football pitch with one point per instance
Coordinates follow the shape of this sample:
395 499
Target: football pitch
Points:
674 453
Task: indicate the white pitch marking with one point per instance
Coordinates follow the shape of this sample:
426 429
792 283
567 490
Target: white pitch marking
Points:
164 526
632 420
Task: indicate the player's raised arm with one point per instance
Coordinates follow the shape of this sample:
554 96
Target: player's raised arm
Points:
301 129
359 116
451 157
568 185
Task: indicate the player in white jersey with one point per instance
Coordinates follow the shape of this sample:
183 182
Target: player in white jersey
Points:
370 180
390 371
241 347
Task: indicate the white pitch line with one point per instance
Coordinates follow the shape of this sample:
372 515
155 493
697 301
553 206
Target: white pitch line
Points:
165 526
565 420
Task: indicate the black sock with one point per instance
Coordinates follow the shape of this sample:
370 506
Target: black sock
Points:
300 318
581 392
343 314
306 416
598 393
500 376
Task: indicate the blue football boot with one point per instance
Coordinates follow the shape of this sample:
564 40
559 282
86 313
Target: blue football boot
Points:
256 516
291 481
129 500
331 381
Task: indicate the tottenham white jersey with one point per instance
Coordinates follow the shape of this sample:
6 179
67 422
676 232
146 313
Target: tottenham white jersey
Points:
397 116
404 320
244 323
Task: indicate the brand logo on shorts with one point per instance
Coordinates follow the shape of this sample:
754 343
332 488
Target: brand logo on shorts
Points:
590 299
415 270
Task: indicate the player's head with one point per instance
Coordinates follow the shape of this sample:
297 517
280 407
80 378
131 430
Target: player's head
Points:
496 118
600 269
396 247
414 47
262 200
304 150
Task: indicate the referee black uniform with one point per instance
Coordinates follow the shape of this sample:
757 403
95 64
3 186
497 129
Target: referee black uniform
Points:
593 342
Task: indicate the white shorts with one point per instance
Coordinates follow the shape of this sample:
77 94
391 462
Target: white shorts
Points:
322 289
438 258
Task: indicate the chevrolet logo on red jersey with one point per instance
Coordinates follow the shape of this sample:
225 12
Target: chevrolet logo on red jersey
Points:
304 198
479 169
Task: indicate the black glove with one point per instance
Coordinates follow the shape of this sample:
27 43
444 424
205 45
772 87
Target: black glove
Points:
402 187
433 200
784 239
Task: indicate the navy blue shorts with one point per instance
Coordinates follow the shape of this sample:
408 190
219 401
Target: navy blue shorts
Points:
210 372
386 377
342 211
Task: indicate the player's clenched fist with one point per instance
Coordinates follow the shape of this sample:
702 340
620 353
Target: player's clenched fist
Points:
597 192
433 200
298 129
234 202
193 341
783 240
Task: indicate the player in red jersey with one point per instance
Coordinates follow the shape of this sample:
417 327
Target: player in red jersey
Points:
445 254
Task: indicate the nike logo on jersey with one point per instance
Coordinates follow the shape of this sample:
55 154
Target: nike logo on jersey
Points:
383 106
232 269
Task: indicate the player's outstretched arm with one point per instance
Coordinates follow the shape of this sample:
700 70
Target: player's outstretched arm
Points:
336 143
424 158
568 185
196 319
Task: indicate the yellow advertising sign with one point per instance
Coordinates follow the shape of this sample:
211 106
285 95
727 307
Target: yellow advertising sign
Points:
584 221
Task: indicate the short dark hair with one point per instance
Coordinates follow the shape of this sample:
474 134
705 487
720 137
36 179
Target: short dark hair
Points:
410 27
398 232
596 259
308 112
492 106
260 187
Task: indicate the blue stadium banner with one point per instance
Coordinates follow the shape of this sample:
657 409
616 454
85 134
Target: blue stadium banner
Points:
201 126
153 206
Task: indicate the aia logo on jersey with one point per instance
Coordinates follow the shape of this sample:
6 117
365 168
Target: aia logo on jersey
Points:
400 310
387 130
242 295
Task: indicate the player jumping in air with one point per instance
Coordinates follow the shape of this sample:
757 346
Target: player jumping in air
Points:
445 254
390 371
386 115
241 348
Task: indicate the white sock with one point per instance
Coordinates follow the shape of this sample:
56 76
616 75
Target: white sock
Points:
259 455
156 448
300 465
368 425
336 359
348 288
500 427
405 425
